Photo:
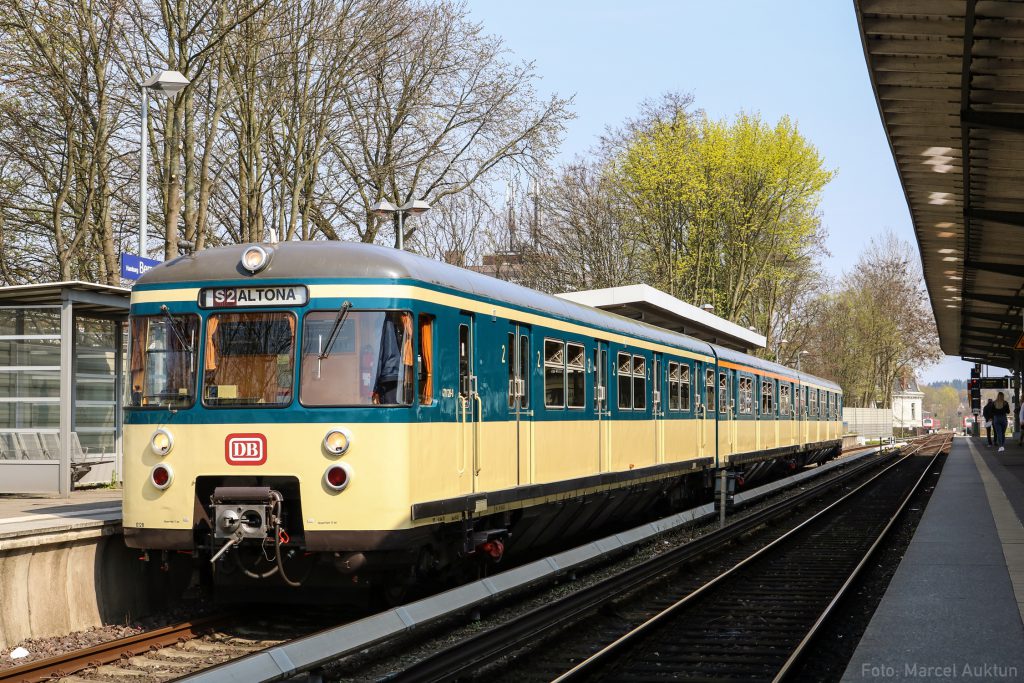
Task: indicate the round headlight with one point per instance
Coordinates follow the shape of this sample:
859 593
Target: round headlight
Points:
337 441
338 476
255 259
161 442
161 476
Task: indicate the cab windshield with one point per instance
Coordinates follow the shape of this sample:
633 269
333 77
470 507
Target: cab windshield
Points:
370 361
249 359
163 361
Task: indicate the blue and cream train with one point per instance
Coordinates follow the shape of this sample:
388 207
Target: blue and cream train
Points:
307 408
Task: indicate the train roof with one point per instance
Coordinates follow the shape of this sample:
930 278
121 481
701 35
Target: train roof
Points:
305 260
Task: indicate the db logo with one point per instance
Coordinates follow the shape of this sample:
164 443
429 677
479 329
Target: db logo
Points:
245 449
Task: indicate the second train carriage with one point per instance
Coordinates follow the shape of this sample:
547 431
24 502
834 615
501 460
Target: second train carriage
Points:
366 410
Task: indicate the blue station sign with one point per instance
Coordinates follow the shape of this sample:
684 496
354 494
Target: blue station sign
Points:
133 267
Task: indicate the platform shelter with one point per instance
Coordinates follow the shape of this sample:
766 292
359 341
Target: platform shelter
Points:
61 385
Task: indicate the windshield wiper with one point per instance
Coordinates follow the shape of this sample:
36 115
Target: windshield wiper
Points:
174 328
339 322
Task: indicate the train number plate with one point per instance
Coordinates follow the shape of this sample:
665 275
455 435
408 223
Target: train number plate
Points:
245 449
237 297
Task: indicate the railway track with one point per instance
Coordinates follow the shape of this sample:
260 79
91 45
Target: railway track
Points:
167 653
756 630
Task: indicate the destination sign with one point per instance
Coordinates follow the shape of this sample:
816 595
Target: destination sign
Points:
240 297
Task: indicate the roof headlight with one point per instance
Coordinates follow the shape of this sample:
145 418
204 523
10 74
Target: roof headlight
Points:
161 442
337 441
255 259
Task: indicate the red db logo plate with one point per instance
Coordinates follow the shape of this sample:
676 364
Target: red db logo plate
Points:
245 449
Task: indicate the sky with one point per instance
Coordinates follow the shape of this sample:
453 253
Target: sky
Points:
802 59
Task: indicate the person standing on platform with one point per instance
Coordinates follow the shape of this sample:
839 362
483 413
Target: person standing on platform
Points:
986 415
1000 415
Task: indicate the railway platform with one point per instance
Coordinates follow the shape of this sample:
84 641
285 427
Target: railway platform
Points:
954 607
63 565
24 516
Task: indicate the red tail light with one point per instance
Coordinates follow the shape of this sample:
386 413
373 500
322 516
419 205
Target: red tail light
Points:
337 476
161 476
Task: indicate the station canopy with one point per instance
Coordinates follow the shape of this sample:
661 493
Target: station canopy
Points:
948 77
652 306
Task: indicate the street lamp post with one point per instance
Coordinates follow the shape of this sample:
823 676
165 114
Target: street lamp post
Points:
169 82
799 356
385 208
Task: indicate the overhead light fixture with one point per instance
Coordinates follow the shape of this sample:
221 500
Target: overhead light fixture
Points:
947 251
939 198
946 234
950 258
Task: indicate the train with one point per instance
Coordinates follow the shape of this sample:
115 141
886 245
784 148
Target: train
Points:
312 414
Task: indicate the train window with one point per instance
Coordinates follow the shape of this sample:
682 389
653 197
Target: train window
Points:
684 386
163 361
709 390
746 395
723 392
576 367
784 403
509 358
426 359
524 370
600 378
250 359
812 401
799 392
554 374
767 397
674 378
364 358
639 383
625 369
464 361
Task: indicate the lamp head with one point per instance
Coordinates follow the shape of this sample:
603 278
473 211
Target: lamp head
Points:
415 207
169 82
383 208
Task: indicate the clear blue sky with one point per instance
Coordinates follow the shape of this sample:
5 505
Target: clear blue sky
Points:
803 59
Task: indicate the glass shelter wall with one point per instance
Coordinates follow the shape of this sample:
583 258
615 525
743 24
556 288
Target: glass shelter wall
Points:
30 391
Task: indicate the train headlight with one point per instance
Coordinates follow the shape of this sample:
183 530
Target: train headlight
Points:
161 442
337 441
162 475
338 476
255 259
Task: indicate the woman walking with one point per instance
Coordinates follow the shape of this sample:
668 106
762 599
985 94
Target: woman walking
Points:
1000 411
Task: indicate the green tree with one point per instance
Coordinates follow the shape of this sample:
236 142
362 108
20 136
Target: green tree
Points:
728 211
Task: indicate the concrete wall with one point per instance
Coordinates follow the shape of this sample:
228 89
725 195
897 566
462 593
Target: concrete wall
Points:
870 423
69 582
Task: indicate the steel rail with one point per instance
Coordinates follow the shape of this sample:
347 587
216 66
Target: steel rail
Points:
802 646
487 645
63 665
589 665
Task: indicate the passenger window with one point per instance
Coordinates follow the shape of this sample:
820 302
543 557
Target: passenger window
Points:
625 368
746 395
509 359
684 389
426 375
600 378
674 378
524 370
639 383
554 374
464 360
784 404
723 393
576 375
709 388
767 398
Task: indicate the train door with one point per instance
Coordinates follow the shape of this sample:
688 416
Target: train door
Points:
601 411
469 405
519 400
726 418
657 409
709 435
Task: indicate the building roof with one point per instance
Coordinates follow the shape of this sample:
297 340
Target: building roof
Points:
655 307
87 297
948 77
